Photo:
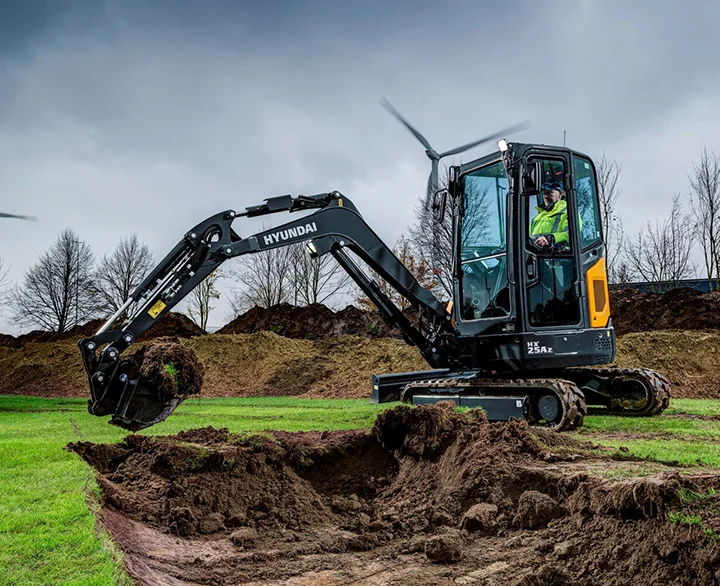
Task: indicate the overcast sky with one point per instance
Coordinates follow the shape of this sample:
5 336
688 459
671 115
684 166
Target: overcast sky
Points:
147 117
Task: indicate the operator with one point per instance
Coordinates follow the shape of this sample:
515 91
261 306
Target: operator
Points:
550 226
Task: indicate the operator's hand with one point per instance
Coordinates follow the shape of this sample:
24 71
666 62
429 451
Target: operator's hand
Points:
541 241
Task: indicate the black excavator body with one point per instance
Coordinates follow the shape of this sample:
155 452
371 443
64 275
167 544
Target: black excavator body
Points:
527 326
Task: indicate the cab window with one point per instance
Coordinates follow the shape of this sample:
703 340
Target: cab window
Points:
586 191
484 283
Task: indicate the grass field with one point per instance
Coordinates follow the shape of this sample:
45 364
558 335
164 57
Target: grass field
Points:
47 530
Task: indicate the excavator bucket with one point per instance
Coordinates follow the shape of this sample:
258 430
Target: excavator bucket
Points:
148 387
143 409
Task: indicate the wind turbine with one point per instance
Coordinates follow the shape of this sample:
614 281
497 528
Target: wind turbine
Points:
434 156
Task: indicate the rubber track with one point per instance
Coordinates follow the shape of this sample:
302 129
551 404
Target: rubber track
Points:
652 379
570 396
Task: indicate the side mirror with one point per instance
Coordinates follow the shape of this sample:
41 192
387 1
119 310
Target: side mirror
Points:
531 175
439 203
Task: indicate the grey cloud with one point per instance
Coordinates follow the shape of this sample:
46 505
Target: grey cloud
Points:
148 116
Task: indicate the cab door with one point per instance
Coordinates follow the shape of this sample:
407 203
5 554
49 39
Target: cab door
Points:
549 235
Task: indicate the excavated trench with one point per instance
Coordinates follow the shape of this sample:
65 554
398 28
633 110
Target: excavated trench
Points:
429 496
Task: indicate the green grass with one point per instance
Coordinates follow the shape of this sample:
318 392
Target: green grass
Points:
48 533
667 439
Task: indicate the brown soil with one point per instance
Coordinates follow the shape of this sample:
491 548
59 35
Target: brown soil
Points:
172 324
266 364
312 322
690 359
171 368
678 309
430 496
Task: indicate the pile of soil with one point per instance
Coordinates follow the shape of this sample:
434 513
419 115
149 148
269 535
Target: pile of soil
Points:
313 322
678 309
266 364
690 360
249 365
41 336
169 367
430 496
171 324
175 325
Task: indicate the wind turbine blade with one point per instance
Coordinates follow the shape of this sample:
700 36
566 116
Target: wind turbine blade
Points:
390 108
18 217
499 134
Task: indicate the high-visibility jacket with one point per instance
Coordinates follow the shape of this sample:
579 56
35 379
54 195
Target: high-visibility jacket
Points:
553 222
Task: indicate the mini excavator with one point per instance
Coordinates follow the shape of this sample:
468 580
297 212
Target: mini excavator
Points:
528 325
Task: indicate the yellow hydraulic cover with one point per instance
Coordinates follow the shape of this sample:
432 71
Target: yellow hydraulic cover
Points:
598 294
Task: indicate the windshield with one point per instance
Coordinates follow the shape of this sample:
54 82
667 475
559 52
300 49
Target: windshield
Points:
483 226
484 284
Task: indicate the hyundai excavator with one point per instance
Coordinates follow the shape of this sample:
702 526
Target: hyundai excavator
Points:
523 338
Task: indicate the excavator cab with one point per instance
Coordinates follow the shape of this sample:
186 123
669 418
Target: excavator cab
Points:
530 267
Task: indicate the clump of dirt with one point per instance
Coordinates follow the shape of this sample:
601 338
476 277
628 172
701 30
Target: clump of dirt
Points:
678 309
315 321
451 500
422 433
169 367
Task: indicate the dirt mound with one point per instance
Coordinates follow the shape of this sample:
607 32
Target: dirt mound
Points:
172 324
481 505
40 336
690 360
249 365
266 364
678 309
314 322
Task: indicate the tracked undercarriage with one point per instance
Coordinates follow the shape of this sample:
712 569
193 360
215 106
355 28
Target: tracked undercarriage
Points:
559 401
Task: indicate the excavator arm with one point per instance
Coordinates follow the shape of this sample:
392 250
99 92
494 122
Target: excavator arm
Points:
335 228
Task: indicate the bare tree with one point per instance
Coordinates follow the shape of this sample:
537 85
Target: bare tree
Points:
608 172
120 273
662 256
404 250
265 279
198 302
431 241
56 293
315 280
705 188
3 280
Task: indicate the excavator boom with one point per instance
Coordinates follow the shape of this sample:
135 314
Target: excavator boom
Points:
335 227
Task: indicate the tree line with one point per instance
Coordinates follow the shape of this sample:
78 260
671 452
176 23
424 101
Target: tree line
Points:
663 251
67 286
